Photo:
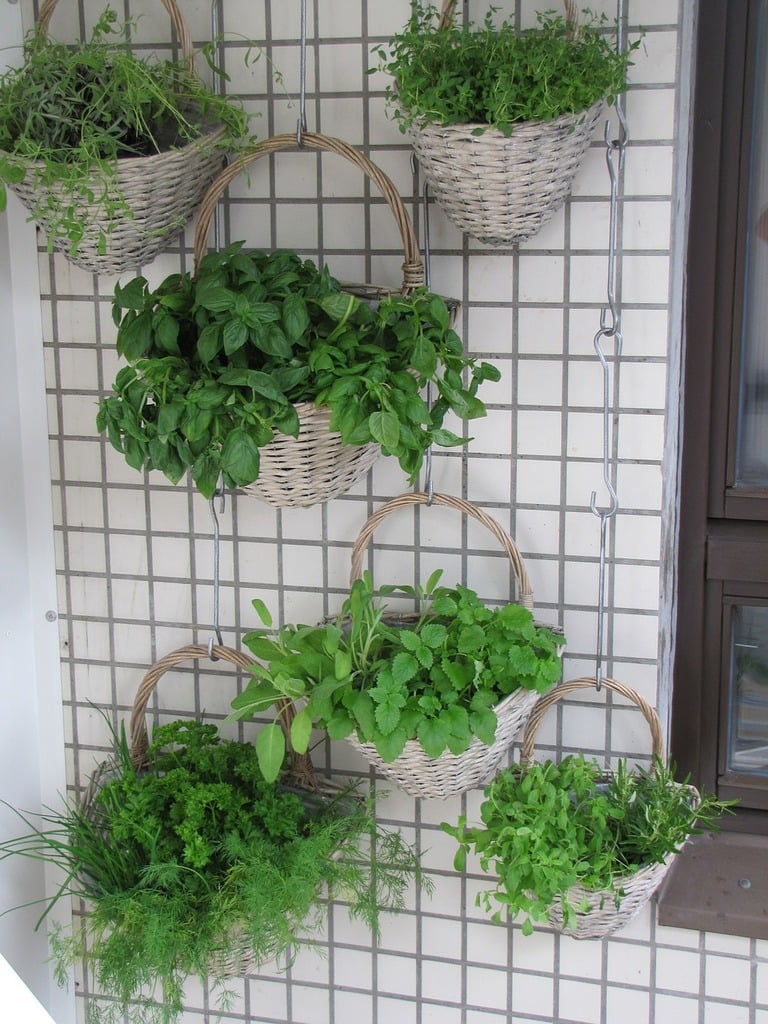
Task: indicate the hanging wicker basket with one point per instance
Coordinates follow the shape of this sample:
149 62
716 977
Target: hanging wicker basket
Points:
600 913
315 466
414 771
502 189
160 191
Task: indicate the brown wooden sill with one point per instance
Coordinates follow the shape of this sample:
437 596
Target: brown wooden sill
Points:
719 883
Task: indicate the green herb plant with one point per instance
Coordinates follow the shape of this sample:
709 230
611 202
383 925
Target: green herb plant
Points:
218 361
496 76
196 858
79 108
548 827
436 679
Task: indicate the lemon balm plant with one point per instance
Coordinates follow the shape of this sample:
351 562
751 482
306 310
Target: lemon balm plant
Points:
433 680
110 151
499 117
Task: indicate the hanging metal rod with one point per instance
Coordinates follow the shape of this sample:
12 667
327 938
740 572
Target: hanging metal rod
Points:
218 493
610 327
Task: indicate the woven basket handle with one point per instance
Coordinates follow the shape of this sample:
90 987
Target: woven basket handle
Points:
448 11
301 767
413 268
547 700
174 12
525 592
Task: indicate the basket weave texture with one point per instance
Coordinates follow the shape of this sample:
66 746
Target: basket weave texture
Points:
414 771
161 191
606 911
503 189
315 466
240 959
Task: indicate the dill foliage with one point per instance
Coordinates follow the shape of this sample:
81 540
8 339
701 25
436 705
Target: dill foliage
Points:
195 860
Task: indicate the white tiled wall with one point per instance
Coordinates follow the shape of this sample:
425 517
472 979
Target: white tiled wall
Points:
135 556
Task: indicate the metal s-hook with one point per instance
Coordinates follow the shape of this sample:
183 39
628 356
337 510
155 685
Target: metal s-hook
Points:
218 493
301 124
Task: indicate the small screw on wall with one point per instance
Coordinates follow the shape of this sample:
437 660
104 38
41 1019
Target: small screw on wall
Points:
745 883
49 616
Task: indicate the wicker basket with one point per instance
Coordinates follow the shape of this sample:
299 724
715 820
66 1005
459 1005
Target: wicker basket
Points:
315 466
502 189
161 191
607 910
414 771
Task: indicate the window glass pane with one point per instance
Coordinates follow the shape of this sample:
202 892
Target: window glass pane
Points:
748 731
752 457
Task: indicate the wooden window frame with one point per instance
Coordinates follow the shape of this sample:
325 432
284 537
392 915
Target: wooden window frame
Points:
723 537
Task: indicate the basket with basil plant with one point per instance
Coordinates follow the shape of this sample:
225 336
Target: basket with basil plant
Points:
573 845
190 863
111 152
223 361
500 118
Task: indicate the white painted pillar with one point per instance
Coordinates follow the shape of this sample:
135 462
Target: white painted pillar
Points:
32 771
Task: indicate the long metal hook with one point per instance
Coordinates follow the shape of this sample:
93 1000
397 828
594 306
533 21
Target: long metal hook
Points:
610 327
218 493
613 146
301 124
429 484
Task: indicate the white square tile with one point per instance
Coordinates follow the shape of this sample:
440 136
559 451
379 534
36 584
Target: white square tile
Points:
353 968
646 225
645 278
651 113
678 970
538 481
488 988
677 1009
580 1000
539 383
726 1013
532 994
538 530
636 586
580 960
656 60
351 1006
638 536
590 223
86 552
540 330
629 964
726 977
630 1006
309 1005
539 433
540 278
490 329
491 278
399 1011
648 170
441 981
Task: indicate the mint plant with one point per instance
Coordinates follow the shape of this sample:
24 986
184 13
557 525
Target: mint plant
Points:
549 827
197 858
436 679
496 76
218 361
